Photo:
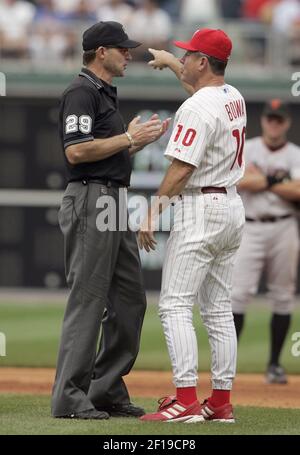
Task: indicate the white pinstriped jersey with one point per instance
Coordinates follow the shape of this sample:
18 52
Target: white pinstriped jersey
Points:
209 133
266 203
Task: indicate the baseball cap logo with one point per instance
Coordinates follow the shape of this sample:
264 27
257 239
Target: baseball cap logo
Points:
275 104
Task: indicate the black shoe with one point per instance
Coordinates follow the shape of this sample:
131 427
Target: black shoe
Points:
124 410
276 375
91 414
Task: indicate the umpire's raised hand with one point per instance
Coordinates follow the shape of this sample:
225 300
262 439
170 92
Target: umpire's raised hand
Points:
147 132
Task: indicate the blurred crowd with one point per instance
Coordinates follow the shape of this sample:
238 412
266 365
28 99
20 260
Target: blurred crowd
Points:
48 29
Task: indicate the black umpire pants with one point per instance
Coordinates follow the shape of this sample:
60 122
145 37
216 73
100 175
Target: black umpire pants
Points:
104 274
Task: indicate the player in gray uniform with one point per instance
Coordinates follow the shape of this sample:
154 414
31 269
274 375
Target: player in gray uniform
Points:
269 189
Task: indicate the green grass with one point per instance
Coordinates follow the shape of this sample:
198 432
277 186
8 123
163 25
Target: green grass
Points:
32 332
29 415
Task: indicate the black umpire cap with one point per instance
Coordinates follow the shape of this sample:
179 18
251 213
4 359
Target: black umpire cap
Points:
108 33
276 108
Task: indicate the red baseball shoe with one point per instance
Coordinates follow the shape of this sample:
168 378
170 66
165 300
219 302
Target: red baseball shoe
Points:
171 410
209 413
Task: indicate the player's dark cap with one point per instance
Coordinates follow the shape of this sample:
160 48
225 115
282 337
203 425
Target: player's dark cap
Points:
108 33
214 43
276 108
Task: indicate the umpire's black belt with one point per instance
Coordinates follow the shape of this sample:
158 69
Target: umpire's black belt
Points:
268 219
101 181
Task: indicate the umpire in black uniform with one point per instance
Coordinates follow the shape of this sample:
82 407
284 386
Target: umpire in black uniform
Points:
102 266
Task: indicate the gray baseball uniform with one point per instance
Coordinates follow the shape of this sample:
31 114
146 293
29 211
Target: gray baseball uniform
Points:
273 245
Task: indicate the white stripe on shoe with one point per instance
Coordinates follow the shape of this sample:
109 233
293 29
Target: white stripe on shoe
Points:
178 407
205 414
173 411
208 411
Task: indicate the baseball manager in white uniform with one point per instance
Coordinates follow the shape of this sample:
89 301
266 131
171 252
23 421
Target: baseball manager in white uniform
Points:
206 151
269 190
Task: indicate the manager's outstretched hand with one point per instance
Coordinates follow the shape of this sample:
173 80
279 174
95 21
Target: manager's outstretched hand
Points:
162 59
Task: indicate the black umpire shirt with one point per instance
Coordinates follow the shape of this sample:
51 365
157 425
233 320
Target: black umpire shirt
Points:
89 110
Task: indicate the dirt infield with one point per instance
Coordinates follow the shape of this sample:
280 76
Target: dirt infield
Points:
249 389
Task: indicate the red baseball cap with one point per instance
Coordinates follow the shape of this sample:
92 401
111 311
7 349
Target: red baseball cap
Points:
214 43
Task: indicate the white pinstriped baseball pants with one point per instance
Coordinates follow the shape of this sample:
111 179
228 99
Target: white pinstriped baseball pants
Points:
198 269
